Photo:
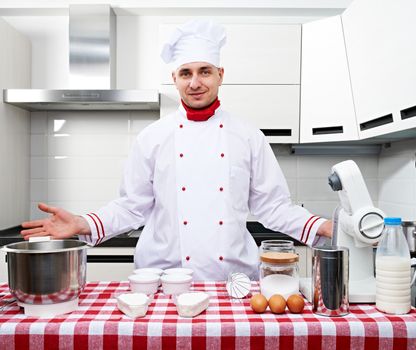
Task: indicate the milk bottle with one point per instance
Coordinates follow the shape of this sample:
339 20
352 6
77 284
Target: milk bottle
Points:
393 270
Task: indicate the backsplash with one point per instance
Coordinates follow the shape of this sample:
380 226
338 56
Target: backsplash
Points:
77 161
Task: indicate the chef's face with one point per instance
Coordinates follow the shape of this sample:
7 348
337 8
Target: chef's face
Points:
198 83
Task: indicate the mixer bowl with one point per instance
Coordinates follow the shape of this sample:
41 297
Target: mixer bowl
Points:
46 272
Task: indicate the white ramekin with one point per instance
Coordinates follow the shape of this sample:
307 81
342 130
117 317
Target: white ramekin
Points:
176 283
146 283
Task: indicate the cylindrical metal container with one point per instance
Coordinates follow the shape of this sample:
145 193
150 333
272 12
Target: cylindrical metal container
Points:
47 272
409 230
330 267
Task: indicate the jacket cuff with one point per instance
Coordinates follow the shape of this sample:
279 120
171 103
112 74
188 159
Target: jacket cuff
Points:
310 228
96 228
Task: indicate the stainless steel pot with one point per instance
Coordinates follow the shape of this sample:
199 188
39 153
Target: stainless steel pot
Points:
409 228
46 272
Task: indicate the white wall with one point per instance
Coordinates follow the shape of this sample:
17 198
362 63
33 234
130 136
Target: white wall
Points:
14 128
397 180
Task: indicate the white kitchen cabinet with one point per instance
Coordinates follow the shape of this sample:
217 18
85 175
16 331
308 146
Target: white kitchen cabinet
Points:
272 108
254 54
327 107
380 39
109 271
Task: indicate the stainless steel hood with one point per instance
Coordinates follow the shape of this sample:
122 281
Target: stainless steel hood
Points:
92 66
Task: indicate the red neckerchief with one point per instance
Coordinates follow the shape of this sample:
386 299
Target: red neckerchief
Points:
202 114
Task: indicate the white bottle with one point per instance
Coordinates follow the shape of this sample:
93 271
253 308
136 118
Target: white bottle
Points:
393 270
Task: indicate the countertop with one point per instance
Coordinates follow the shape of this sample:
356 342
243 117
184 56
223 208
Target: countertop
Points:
259 232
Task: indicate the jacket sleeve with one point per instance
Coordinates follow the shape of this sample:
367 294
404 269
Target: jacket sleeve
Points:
270 201
135 203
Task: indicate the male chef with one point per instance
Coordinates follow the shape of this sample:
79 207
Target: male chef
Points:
193 177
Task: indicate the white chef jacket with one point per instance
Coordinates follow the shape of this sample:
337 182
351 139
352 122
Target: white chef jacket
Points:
192 184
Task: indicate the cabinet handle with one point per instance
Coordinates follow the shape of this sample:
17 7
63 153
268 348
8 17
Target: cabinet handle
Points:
277 132
328 130
408 112
110 258
376 122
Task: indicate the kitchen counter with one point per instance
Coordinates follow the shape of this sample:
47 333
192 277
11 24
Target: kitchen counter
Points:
226 324
258 231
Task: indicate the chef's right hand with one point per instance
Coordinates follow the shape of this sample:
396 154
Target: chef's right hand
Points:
60 224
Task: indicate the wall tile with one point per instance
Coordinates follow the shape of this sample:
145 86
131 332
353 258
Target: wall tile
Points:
38 123
38 145
315 190
83 189
397 191
38 190
322 208
38 167
140 119
406 212
398 167
88 122
288 165
88 145
85 167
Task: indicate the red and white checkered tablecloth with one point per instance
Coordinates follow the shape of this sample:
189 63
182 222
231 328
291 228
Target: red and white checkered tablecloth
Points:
226 324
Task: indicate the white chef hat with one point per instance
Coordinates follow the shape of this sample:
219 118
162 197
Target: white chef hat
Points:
198 40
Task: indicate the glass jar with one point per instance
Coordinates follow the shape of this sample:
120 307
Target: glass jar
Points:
279 273
277 245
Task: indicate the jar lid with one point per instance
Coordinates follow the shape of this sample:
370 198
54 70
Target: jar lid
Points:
279 257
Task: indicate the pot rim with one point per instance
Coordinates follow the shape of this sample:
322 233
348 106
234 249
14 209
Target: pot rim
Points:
9 248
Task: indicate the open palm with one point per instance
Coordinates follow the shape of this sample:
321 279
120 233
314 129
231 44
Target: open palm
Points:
60 224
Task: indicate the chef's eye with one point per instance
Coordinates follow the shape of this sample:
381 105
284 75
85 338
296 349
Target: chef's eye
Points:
185 74
206 72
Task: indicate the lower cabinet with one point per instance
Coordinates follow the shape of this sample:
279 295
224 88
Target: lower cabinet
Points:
109 264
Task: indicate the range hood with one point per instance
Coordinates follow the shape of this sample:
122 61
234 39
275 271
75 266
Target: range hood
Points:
92 68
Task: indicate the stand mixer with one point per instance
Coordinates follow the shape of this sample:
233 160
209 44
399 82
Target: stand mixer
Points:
357 225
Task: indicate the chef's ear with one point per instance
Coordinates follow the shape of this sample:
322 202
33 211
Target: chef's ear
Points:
174 76
221 74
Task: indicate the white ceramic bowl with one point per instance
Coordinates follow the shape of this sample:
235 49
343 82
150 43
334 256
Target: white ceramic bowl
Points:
146 283
154 270
176 283
181 270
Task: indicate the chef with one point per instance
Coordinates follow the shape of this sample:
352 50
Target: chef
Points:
193 177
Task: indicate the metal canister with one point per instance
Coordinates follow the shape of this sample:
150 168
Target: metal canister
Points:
330 269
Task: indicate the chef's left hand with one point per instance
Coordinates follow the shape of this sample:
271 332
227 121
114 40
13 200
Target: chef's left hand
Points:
325 229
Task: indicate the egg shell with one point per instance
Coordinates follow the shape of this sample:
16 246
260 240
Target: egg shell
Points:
258 303
277 304
295 303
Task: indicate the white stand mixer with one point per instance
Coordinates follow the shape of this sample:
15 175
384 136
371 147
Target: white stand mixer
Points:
358 226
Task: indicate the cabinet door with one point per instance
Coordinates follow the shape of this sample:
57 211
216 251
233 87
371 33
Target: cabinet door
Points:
272 108
254 54
327 108
380 39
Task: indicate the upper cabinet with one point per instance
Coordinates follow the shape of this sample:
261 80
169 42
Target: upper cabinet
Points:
261 79
380 38
254 54
327 107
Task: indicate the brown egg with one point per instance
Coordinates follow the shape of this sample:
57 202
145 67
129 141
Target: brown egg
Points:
258 303
277 304
295 303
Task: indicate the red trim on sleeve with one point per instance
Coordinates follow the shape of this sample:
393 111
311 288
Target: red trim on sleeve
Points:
310 227
96 226
102 226
304 227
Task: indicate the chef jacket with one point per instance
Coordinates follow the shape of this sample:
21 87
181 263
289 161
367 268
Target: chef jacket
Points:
192 185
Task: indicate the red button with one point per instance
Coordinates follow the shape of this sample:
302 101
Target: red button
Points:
183 188
222 154
221 125
221 258
181 126
187 258
185 222
220 222
221 189
181 155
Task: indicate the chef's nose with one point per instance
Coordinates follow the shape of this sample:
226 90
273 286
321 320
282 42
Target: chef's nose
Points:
194 83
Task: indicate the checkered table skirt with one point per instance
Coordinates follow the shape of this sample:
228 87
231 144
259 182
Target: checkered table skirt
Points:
227 324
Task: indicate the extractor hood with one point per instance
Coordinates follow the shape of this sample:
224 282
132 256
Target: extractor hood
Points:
92 66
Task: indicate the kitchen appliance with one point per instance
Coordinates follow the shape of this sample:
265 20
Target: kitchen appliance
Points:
92 68
357 225
47 277
409 230
330 281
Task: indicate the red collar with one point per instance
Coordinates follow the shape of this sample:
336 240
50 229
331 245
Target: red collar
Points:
203 114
